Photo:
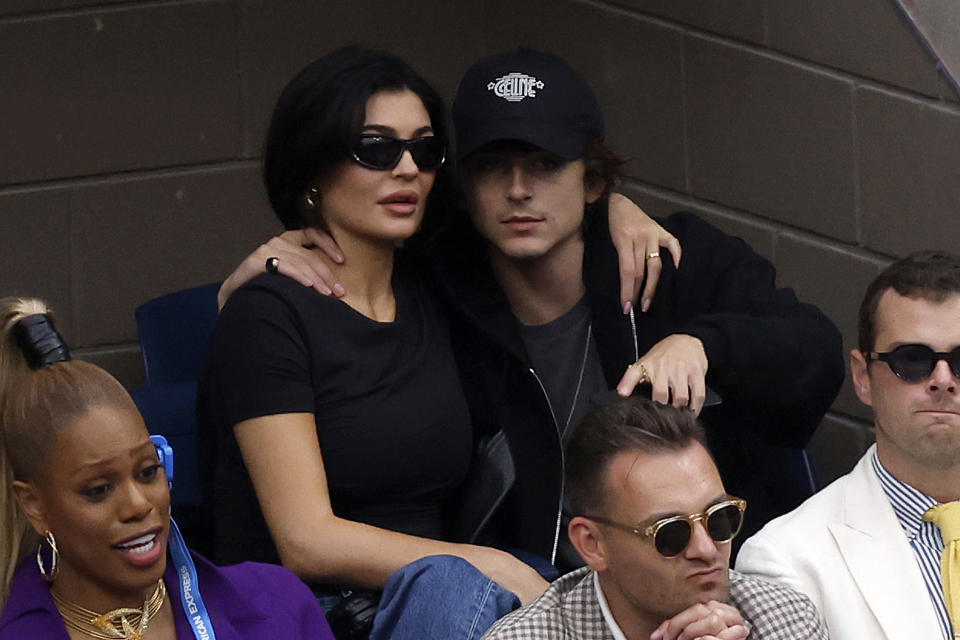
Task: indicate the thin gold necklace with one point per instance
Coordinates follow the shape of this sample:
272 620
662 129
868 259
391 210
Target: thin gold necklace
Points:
122 624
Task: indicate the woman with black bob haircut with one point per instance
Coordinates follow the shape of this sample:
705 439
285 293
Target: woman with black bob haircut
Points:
318 115
333 430
87 546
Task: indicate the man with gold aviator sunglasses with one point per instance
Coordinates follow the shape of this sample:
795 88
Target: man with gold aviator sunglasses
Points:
666 576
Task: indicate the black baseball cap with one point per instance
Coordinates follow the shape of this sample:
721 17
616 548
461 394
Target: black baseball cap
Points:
529 96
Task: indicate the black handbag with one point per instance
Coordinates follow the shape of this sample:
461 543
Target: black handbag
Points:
352 618
490 478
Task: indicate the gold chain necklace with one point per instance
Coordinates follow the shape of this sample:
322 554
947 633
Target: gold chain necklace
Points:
123 624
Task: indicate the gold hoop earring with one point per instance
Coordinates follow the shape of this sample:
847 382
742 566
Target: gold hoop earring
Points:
54 557
312 197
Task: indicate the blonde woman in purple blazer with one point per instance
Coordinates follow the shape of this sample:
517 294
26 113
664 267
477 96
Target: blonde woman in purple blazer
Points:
82 490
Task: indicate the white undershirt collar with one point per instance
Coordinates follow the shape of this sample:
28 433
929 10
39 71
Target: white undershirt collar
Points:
607 616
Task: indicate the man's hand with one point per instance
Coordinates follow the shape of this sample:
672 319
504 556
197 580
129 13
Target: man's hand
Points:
711 621
295 259
636 236
676 368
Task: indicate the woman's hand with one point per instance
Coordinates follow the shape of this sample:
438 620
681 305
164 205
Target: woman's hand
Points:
676 367
295 259
506 570
637 237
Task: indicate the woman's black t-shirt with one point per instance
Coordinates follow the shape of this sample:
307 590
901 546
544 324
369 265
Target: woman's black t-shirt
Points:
392 420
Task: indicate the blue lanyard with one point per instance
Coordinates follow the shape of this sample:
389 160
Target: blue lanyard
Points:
190 596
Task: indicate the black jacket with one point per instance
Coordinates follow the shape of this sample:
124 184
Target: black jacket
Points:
776 362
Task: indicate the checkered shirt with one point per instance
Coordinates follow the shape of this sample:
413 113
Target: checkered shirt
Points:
569 610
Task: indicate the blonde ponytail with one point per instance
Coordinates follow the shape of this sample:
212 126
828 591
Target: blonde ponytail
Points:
34 404
16 535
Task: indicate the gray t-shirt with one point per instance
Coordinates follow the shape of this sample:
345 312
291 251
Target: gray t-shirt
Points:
556 350
567 364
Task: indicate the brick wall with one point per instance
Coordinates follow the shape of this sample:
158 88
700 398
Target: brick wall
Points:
818 130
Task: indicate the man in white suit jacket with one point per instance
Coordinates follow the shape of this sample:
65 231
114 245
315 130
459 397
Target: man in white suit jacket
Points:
859 548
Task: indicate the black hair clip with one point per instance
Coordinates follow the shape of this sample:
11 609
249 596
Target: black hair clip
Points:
40 341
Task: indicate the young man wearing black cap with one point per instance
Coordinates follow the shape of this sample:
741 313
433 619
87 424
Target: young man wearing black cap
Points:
540 328
536 285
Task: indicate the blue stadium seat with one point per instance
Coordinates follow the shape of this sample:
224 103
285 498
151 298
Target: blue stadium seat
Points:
170 411
174 332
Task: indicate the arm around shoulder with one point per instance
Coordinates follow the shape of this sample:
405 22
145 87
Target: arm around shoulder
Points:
766 349
293 257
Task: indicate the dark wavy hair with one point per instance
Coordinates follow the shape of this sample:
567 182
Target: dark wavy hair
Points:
319 114
603 163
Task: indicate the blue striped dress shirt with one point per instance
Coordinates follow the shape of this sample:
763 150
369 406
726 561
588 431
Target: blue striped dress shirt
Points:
924 537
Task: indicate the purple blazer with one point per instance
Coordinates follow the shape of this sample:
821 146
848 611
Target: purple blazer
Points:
247 601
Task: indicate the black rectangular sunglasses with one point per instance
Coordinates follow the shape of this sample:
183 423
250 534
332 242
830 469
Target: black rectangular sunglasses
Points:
384 152
915 362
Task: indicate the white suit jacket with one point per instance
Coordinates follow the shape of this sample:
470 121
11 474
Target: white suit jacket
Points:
846 550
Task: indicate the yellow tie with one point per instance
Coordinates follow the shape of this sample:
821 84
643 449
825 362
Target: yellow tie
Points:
947 517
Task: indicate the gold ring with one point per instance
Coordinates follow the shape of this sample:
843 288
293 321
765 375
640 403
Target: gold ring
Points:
653 254
644 374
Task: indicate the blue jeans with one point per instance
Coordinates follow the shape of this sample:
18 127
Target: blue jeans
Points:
441 597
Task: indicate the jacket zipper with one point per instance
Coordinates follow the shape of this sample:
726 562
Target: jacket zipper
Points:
563 462
556 427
